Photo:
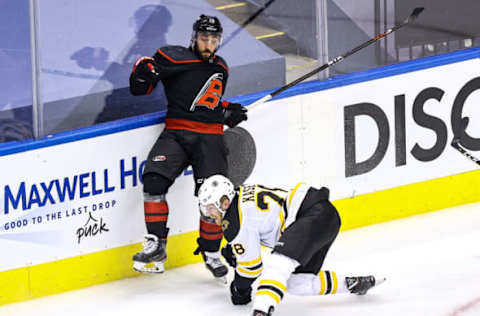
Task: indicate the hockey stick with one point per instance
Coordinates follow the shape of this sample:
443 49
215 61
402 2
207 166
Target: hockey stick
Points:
408 20
247 21
456 144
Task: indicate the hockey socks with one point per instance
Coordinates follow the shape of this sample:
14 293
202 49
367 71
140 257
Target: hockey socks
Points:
329 282
211 236
156 215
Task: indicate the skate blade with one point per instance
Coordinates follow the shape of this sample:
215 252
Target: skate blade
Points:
152 267
222 279
380 280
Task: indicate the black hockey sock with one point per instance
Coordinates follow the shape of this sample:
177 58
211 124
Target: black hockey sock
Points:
156 216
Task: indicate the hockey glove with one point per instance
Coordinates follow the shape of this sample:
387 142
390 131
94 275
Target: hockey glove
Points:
234 114
229 256
240 296
145 69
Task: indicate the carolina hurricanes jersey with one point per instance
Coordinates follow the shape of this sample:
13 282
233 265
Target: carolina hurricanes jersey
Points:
193 86
258 216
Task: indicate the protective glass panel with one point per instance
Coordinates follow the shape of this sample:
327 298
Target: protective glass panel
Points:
87 48
16 72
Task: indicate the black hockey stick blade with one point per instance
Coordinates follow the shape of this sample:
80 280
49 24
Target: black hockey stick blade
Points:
456 142
415 13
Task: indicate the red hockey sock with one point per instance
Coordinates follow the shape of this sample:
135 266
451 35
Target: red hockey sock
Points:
211 234
156 217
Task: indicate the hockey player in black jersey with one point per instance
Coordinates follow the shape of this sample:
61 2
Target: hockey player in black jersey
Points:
194 80
299 225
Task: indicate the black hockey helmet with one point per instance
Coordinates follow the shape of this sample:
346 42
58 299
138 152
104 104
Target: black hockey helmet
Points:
206 24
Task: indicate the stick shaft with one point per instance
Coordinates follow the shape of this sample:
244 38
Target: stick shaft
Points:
246 22
456 144
411 18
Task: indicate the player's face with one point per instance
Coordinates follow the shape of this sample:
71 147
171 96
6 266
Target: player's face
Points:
207 44
213 212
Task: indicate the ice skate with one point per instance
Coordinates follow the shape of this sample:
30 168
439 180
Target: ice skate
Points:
262 313
152 257
361 285
215 266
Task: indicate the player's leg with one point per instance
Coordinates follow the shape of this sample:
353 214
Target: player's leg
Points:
315 228
209 158
309 279
165 162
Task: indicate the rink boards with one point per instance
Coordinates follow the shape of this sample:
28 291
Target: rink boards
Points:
72 203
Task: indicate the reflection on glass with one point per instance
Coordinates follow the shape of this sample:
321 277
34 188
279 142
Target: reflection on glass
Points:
86 83
87 48
16 72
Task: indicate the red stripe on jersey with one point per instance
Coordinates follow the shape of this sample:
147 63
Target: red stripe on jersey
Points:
178 61
150 89
199 127
139 60
223 65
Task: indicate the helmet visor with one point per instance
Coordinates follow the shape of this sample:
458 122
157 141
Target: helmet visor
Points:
209 37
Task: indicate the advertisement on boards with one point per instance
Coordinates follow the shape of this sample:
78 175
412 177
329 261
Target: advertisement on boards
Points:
397 130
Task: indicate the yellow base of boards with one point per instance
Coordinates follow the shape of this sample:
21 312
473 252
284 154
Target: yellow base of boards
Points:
408 200
114 264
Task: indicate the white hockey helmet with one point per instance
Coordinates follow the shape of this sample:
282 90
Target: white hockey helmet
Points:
213 190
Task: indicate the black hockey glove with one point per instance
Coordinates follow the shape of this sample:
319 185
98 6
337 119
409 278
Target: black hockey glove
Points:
145 69
240 296
234 114
229 256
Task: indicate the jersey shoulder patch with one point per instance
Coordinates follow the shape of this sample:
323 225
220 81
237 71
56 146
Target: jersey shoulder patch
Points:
176 55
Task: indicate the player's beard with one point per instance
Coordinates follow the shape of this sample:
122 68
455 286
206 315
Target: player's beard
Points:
205 55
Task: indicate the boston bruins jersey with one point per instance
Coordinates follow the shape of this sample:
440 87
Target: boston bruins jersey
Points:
258 216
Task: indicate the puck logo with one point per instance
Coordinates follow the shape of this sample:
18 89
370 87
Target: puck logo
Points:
159 158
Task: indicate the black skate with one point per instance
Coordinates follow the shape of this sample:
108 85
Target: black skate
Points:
152 257
214 265
262 313
361 285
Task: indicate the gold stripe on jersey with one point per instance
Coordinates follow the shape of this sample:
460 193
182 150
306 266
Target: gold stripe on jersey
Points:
335 282
272 288
250 263
250 273
322 283
252 268
278 284
328 282
239 206
272 294
290 196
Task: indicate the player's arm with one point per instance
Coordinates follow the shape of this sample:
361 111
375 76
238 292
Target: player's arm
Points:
248 269
148 71
144 76
233 113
